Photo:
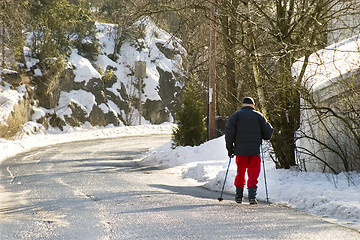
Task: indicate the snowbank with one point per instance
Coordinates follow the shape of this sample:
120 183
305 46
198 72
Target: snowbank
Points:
334 197
10 148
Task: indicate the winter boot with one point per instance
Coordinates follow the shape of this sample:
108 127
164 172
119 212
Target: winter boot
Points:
239 195
252 195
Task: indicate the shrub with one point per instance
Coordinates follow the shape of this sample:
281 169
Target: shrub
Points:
191 129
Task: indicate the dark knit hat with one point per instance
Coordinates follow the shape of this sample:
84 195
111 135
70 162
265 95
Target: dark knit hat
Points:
248 100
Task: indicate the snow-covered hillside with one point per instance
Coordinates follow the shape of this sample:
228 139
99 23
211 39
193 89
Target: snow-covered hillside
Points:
106 91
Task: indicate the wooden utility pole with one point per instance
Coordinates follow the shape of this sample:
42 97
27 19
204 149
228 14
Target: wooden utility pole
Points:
212 75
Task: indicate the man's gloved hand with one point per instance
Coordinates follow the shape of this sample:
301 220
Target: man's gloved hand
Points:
231 153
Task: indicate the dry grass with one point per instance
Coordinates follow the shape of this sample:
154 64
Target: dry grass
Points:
9 129
13 125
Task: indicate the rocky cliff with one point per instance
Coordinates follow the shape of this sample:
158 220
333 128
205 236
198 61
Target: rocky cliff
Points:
105 91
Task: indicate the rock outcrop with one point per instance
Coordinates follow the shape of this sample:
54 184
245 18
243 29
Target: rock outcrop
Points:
106 91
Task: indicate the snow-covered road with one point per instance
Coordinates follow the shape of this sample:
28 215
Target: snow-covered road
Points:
98 189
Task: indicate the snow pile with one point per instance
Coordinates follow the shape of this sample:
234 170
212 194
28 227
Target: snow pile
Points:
329 196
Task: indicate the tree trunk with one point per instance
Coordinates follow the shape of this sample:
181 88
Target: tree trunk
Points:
229 29
285 116
3 65
257 78
255 66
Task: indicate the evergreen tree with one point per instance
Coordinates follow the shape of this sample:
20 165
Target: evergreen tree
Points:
13 17
191 128
59 25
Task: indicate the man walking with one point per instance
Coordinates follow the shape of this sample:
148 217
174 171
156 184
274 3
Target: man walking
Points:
244 133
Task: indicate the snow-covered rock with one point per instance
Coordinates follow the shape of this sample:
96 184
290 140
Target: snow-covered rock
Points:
106 91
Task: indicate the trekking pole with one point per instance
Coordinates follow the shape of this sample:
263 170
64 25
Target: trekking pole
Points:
222 190
263 161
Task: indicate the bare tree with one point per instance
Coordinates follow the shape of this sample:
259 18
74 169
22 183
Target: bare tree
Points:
259 41
330 130
274 34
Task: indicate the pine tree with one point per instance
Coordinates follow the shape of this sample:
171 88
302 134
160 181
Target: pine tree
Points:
13 18
191 128
58 25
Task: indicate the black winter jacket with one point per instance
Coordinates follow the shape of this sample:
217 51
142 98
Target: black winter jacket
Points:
245 130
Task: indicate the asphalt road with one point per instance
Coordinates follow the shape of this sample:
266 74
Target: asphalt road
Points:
99 190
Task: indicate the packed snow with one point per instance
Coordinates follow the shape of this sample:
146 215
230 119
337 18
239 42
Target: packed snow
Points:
333 197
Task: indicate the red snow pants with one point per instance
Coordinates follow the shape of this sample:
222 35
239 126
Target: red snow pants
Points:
251 164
